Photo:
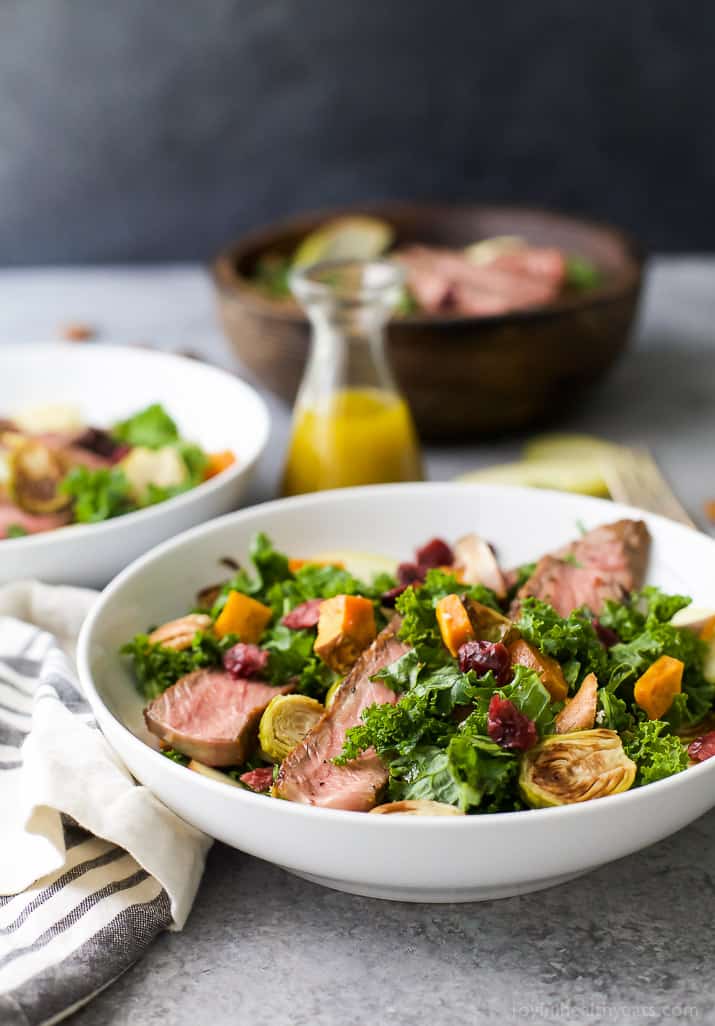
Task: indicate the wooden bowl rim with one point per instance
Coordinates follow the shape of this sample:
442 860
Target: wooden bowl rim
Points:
230 283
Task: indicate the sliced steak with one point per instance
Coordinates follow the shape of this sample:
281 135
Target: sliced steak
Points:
210 716
606 563
308 774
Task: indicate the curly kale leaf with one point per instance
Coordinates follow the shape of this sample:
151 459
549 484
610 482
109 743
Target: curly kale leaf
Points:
417 606
470 772
656 752
291 655
97 494
571 640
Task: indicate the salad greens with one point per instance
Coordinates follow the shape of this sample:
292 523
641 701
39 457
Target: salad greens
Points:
97 494
87 475
438 738
151 427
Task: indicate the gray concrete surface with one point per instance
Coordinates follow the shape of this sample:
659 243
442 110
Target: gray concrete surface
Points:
631 944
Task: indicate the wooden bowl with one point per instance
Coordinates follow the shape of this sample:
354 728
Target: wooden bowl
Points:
464 377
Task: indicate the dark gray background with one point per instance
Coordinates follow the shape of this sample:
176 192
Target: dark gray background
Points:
148 129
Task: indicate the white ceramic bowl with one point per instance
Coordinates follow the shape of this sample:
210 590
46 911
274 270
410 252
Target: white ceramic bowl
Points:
108 383
408 858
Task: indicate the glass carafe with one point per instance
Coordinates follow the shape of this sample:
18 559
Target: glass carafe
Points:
351 425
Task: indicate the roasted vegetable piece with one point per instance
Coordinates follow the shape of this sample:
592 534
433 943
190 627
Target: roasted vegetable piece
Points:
576 767
478 564
35 473
489 625
416 807
454 623
243 616
655 690
217 462
580 712
179 634
346 626
524 654
285 722
145 467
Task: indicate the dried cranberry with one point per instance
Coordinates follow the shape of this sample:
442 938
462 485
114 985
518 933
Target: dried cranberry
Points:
606 635
306 614
258 779
409 573
702 748
244 661
509 727
482 656
435 553
388 598
101 443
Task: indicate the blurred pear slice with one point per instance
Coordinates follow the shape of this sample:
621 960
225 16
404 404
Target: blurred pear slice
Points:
570 447
345 238
581 476
364 565
489 249
211 773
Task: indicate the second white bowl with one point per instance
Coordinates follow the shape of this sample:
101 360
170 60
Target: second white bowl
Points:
108 383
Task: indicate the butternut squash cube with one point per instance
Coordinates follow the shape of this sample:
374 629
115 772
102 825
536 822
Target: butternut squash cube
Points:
657 687
244 616
346 627
454 623
524 654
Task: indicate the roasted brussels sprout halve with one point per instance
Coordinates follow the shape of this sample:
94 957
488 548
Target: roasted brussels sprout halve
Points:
575 767
285 722
35 475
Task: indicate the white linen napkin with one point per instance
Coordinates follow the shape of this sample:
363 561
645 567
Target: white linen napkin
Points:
92 865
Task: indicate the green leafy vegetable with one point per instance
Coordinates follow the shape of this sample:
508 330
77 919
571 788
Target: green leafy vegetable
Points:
582 274
642 623
271 274
482 770
97 494
417 605
656 752
423 773
15 531
571 640
530 697
292 656
613 712
151 427
171 753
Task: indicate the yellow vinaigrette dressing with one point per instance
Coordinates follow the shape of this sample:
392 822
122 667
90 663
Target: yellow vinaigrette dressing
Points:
351 426
360 436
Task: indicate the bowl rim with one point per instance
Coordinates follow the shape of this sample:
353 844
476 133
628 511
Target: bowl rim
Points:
513 493
32 542
230 284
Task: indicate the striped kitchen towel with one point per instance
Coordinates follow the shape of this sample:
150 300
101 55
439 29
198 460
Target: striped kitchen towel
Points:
92 866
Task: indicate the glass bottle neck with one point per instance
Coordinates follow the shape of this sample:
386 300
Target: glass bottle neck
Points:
348 318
